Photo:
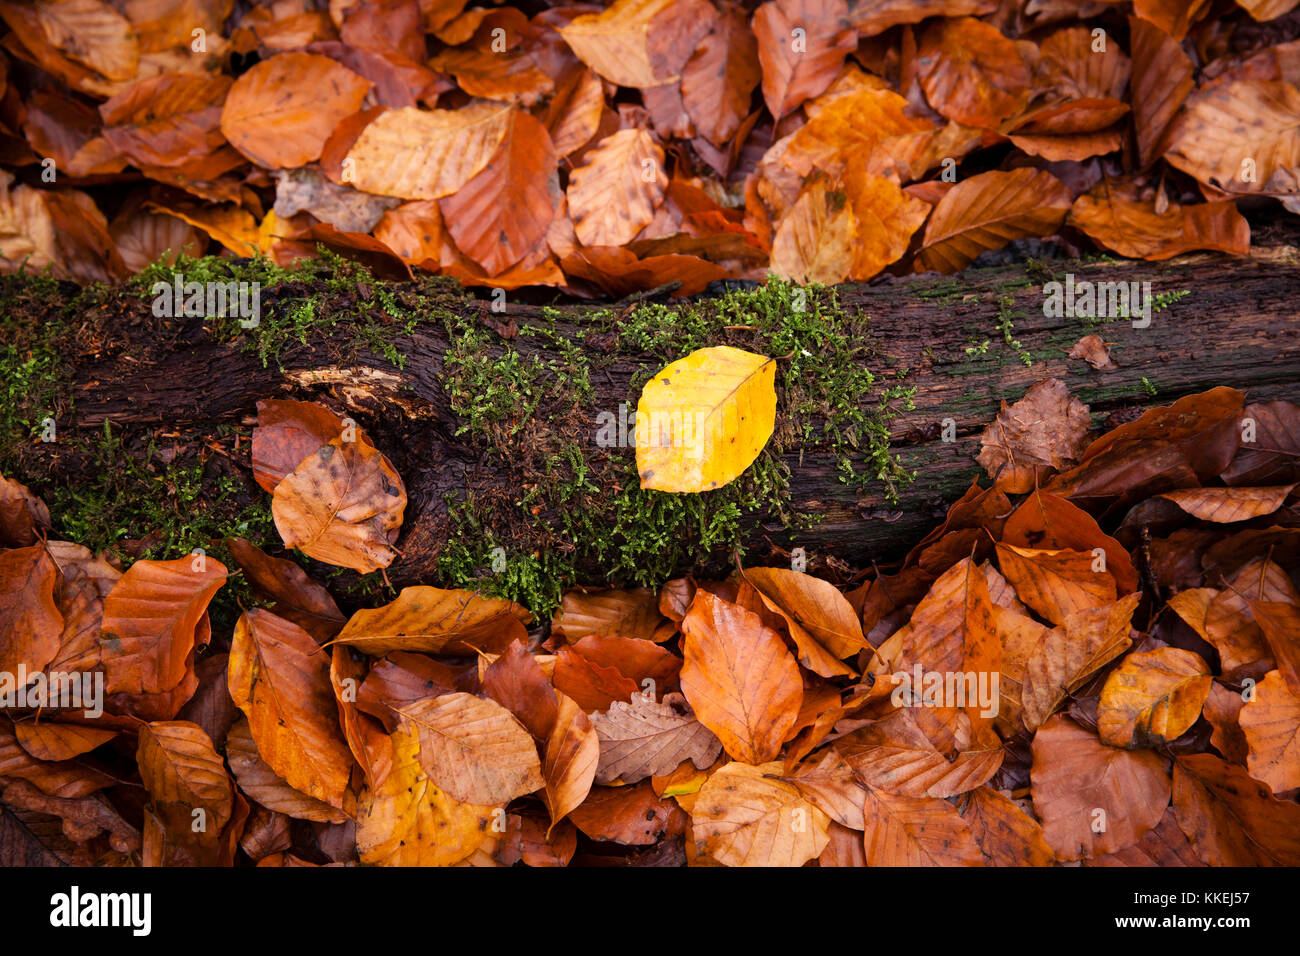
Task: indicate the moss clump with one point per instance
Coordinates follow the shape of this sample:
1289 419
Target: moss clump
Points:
295 306
34 378
142 503
1006 325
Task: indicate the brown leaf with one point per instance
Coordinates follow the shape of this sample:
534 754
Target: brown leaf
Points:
531 838
1163 845
167 120
279 678
595 686
640 738
1093 350
815 605
1162 78
1057 584
342 505
281 111
1273 457
517 682
1230 621
1279 621
1094 799
1051 522
739 678
1046 430
1230 819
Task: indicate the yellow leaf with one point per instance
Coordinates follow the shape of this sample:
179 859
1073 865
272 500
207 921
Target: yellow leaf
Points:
407 821
703 419
747 817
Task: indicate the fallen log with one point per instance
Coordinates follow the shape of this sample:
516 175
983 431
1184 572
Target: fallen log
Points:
493 418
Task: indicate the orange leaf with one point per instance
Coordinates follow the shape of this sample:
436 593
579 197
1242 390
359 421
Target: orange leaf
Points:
1094 799
1066 656
505 210
916 831
279 678
29 618
1152 698
744 816
570 759
971 73
280 112
614 194
739 678
989 210
150 621
342 505
1007 836
1057 584
801 44
1271 725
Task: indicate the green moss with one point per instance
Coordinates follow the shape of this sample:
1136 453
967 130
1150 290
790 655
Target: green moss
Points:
34 379
294 309
1006 325
941 290
138 504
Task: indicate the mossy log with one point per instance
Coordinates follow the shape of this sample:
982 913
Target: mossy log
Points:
491 417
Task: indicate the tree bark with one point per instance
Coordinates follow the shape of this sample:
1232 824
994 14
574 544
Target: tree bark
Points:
1235 327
